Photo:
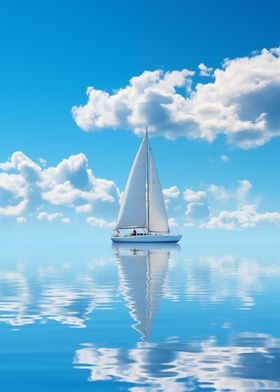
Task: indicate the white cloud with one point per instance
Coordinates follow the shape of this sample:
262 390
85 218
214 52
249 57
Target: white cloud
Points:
205 71
56 216
246 216
197 207
71 187
83 208
12 185
172 222
102 223
194 197
13 210
25 186
72 169
49 217
240 194
62 194
144 101
240 103
197 211
21 219
229 209
243 190
219 192
24 165
171 193
71 182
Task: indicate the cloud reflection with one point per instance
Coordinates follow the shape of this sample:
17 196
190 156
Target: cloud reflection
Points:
207 353
227 278
52 293
249 363
69 292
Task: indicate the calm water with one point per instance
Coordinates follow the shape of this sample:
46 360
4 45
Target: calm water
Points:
160 318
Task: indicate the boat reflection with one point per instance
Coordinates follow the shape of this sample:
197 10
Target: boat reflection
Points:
142 271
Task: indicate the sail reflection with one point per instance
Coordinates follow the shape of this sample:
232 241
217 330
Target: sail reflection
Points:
142 271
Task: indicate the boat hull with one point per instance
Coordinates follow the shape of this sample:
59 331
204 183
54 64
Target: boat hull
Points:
149 238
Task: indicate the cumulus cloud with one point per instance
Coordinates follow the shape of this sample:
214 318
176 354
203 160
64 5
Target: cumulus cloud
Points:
24 165
238 214
243 190
73 169
49 217
241 103
239 194
246 216
13 210
17 177
172 222
194 197
84 208
25 187
204 70
57 216
197 211
171 193
219 192
197 207
102 223
30 191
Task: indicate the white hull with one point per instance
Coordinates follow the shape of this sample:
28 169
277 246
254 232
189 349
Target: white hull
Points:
167 238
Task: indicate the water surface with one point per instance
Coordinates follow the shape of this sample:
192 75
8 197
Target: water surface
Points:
139 318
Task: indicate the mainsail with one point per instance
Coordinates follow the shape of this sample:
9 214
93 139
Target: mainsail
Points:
142 204
133 205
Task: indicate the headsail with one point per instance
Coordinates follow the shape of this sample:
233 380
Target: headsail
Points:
133 205
157 212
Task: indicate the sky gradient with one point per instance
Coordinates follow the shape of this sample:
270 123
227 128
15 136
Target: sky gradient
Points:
205 74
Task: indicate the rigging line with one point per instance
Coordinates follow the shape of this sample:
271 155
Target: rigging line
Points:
147 179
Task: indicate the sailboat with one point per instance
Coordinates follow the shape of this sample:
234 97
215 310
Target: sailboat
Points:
142 207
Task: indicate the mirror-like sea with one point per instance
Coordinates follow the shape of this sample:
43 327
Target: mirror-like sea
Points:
139 318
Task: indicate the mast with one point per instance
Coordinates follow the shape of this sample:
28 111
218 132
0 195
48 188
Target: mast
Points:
147 176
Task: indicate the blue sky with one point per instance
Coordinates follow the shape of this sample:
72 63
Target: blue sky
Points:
52 51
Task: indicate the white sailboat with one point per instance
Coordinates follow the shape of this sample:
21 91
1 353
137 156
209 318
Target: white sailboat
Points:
142 207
